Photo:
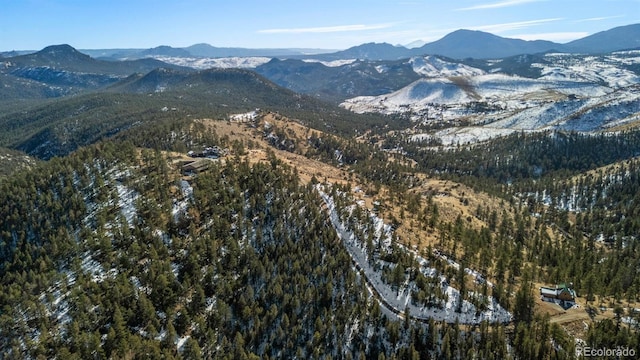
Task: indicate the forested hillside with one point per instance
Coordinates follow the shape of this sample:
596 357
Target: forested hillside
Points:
126 259
56 128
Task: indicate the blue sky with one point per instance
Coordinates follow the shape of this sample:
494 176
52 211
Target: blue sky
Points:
327 24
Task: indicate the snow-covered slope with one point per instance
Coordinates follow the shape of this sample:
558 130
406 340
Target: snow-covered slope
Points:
223 63
573 92
432 66
602 70
334 63
499 89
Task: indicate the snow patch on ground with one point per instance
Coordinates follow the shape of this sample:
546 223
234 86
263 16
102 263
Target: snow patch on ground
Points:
127 202
180 208
94 269
181 341
469 135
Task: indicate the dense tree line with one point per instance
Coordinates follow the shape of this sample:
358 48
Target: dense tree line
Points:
551 178
523 156
365 159
543 171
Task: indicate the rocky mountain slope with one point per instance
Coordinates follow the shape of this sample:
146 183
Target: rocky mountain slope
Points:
571 92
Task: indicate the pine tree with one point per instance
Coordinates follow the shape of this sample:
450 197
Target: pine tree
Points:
191 349
524 303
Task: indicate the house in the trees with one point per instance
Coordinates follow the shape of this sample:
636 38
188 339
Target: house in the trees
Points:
561 294
195 167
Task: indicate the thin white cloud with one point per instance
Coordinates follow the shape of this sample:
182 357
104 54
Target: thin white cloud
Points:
599 18
499 4
326 29
554 36
500 28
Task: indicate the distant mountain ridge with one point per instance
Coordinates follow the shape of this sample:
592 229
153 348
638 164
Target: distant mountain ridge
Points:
65 57
619 38
61 70
56 54
201 50
166 51
460 44
206 50
370 51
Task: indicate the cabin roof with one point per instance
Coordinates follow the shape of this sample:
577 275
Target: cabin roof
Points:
557 290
